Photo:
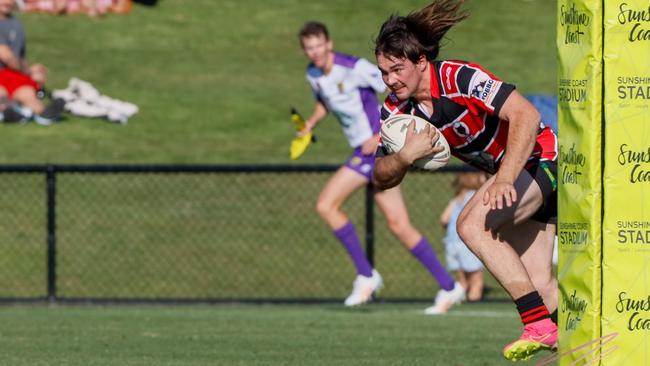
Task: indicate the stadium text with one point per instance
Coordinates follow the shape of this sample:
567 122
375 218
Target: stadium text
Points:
572 20
635 307
633 92
575 306
628 156
638 32
571 161
634 236
572 94
573 237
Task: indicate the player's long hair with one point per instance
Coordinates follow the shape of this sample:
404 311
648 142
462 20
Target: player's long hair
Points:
420 32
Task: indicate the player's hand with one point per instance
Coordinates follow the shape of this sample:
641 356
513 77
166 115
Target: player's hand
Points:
498 193
304 131
419 144
369 147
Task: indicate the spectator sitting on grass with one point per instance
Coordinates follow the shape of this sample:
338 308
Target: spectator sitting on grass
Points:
18 80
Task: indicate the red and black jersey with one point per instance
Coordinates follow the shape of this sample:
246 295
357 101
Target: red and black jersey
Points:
466 104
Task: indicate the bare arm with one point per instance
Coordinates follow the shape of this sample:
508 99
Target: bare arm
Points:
524 125
10 59
319 113
446 214
390 170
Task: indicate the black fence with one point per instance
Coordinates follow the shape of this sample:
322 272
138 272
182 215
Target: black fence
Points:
198 233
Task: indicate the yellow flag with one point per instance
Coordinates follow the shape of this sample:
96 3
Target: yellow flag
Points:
299 144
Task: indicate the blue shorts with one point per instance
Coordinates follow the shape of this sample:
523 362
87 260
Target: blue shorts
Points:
460 258
360 163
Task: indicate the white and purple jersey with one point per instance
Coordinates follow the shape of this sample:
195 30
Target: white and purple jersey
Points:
348 91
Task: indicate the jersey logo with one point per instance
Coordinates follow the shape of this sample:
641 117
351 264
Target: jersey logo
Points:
341 87
461 129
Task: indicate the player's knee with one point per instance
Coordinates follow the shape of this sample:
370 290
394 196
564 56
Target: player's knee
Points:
398 227
465 229
324 208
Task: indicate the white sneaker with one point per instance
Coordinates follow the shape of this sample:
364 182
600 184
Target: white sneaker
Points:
446 299
363 288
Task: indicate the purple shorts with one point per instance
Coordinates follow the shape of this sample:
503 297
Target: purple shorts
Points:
360 163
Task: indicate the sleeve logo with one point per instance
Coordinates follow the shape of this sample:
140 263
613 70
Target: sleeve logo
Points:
483 89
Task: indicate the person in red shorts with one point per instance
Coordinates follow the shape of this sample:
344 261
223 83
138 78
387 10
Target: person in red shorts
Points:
19 81
510 222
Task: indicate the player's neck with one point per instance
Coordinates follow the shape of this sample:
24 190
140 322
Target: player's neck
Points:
329 63
423 91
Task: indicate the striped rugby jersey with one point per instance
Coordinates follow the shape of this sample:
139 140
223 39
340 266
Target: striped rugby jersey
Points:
348 91
466 104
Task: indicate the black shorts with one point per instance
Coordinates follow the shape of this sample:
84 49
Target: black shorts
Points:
544 172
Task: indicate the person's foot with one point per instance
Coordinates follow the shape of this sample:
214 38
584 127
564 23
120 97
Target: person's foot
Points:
446 299
537 336
363 288
13 115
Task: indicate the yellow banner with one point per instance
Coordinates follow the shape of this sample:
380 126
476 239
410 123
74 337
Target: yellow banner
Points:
579 40
626 219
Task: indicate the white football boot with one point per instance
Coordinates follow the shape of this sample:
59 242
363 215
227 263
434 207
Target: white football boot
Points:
363 288
446 299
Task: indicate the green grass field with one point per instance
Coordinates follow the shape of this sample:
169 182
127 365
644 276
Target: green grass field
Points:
214 83
256 335
215 79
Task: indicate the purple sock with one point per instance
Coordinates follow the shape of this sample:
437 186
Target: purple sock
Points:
348 237
425 254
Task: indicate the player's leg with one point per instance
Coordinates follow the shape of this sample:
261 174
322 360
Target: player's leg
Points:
463 279
472 270
478 227
348 179
475 284
337 190
391 203
481 229
533 241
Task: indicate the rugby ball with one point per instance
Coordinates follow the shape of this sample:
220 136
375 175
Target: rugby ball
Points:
393 134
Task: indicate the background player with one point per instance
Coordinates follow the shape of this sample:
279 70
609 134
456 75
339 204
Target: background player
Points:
468 267
346 86
509 223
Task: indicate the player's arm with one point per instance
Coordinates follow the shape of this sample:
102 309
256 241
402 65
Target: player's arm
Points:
390 169
320 112
484 91
524 121
445 217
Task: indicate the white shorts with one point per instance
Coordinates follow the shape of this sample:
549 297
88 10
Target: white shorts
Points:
459 257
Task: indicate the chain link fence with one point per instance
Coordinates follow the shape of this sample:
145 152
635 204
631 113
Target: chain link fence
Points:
198 233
